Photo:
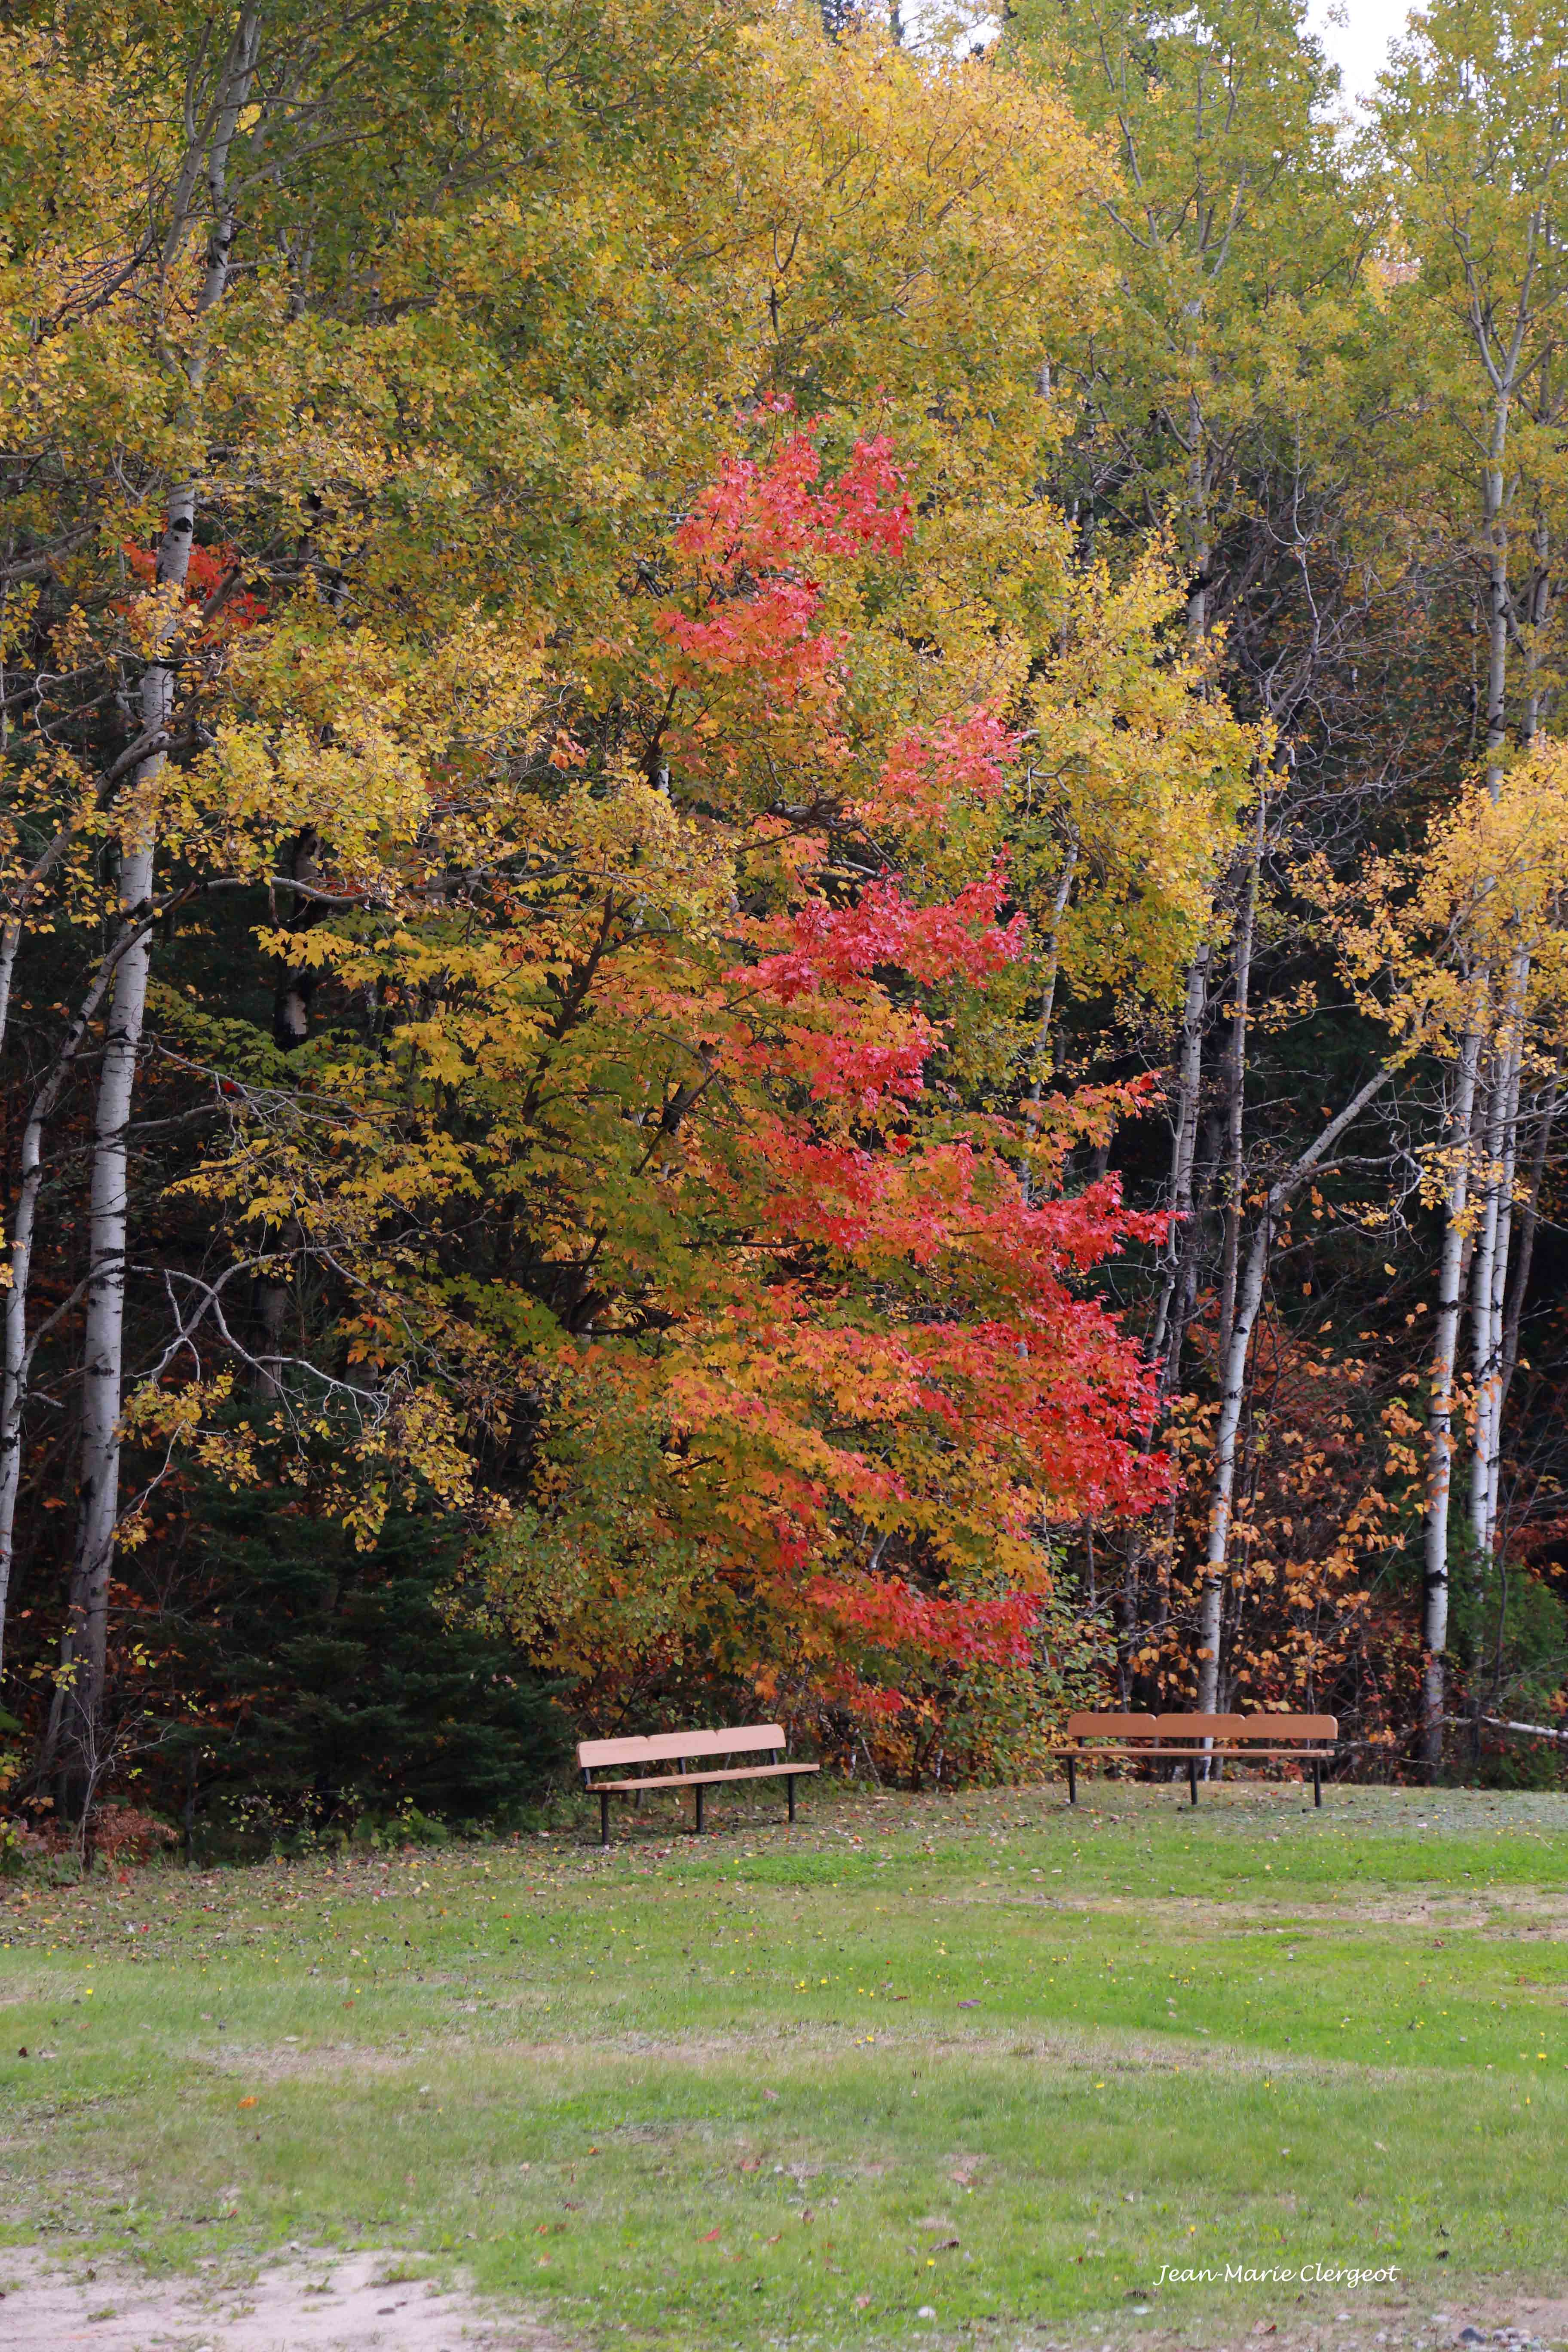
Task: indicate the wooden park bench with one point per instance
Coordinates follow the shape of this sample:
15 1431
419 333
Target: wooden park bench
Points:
1191 1739
682 1749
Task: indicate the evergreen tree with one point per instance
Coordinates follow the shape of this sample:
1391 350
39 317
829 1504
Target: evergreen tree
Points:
334 1685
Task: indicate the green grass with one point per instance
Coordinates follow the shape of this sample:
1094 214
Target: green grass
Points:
982 2054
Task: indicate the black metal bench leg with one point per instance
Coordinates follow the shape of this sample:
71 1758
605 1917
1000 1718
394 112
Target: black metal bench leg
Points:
604 1820
1317 1782
1072 1780
1193 1776
697 1792
789 1784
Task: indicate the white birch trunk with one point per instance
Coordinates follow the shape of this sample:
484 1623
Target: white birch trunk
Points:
1502 368
15 1354
1441 1410
1489 1396
1233 1384
1235 1108
1183 1154
1440 1446
1494 508
1538 613
1486 1171
79 1693
1198 601
1532 1207
1490 1404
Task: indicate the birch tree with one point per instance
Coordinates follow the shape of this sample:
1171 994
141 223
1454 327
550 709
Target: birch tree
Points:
201 195
1471 121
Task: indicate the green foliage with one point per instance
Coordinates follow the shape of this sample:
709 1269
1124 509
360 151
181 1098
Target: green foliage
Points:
332 1687
1511 1631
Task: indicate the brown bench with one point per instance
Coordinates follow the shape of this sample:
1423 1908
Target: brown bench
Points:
682 1749
1193 1737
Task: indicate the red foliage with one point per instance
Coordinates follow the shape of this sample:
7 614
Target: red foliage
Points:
876 1374
754 602
834 947
212 578
755 518
890 1616
929 769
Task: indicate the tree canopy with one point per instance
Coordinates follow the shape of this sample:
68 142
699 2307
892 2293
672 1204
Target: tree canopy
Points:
780 832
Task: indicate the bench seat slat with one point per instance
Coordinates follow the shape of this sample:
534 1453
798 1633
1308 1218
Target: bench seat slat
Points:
1234 1752
692 1780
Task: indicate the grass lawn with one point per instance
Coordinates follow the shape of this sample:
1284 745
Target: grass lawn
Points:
978 2056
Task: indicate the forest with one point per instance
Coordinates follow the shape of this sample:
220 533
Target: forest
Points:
780 889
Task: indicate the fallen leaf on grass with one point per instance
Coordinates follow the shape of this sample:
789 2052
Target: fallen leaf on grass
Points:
708 2240
247 2102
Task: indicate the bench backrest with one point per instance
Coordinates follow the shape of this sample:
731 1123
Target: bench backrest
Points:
1203 1726
681 1746
1200 1726
1110 1727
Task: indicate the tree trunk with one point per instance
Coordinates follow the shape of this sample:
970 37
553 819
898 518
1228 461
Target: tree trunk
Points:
1538 612
1508 1316
1501 1177
83 1656
1040 1061
1184 1152
1490 1288
1232 1391
1236 1103
1198 524
1492 1093
84 1649
1440 1412
1494 508
290 1028
15 1354
1233 1382
1532 1205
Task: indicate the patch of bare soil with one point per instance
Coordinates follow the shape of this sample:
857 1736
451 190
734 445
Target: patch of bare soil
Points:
367 2301
1492 2324
380 2302
1517 1911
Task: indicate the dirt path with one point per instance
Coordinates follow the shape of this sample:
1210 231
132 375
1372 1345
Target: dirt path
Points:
379 2302
316 2302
